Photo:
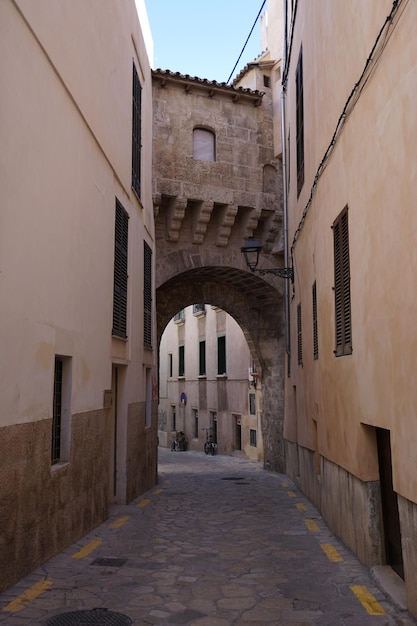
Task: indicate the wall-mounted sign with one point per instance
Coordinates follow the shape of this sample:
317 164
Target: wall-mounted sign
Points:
183 398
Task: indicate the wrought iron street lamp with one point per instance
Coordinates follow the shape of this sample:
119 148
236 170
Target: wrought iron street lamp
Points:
251 251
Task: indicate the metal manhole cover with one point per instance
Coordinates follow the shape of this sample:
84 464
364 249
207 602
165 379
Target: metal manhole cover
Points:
110 561
93 617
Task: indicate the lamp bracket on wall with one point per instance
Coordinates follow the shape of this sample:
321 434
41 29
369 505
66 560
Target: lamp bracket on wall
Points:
251 251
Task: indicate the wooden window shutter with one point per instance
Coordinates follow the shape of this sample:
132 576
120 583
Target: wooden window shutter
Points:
120 271
343 326
315 325
299 95
147 295
299 335
136 131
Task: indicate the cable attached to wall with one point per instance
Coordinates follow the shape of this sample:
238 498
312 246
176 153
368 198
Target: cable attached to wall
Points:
371 62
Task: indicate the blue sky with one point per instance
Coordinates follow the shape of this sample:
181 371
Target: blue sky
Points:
204 38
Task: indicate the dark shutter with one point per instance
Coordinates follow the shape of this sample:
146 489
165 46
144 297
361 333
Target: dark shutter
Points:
221 355
136 131
299 335
342 285
181 361
120 271
299 95
202 358
147 296
315 328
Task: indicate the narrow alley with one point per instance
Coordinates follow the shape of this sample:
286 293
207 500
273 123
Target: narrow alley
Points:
219 541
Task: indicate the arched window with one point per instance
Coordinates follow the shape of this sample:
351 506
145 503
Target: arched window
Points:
204 144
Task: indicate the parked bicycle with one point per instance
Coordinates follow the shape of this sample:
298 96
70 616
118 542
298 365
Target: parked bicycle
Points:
179 443
210 446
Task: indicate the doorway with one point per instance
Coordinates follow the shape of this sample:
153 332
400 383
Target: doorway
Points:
389 500
117 461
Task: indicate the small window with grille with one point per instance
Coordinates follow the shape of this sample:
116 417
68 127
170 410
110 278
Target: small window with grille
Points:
181 360
252 437
61 411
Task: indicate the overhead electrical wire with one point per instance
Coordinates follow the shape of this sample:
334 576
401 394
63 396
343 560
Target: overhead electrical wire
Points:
243 49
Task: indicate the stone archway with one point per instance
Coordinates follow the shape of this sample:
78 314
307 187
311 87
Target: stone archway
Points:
206 274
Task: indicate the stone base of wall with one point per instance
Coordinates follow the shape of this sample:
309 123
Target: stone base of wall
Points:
142 451
351 507
408 521
44 508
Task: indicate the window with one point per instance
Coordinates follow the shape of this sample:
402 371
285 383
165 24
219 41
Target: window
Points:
238 431
136 131
299 336
148 402
120 271
202 357
204 148
61 411
170 371
267 81
315 331
252 437
174 417
199 308
180 316
195 417
342 285
147 296
299 99
221 355
252 404
181 356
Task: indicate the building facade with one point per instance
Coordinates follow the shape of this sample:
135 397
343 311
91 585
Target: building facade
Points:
78 417
349 81
207 383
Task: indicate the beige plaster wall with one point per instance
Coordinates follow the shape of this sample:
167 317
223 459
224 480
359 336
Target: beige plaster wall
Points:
65 131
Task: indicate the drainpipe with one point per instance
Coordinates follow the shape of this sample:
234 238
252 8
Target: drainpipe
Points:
284 176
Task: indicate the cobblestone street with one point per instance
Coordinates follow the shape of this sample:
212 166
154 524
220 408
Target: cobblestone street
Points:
219 541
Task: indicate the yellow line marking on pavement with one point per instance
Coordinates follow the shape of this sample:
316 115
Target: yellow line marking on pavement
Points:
367 600
30 594
143 503
292 494
311 525
331 552
285 485
158 491
88 548
119 522
301 507
166 482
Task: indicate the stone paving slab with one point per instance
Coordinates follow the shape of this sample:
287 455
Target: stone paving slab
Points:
219 541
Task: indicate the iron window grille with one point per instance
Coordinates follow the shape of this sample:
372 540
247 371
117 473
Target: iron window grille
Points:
343 319
120 271
199 308
147 295
57 412
252 437
180 316
136 131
